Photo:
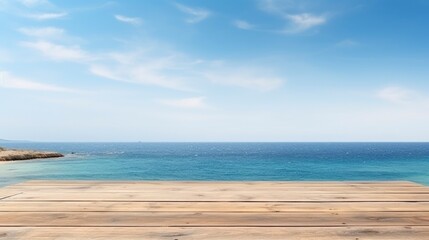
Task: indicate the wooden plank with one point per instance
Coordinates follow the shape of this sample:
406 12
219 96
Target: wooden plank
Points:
6 194
219 183
183 219
245 196
215 210
216 233
214 188
30 206
225 191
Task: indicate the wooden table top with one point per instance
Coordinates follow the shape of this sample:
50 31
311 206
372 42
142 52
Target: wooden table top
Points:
45 209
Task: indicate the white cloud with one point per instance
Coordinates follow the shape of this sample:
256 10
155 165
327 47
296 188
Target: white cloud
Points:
243 24
58 52
304 21
191 103
395 94
33 3
8 80
141 72
45 32
155 66
47 16
296 14
104 72
180 73
143 67
196 14
129 20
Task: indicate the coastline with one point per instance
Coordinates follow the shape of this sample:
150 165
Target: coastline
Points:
7 155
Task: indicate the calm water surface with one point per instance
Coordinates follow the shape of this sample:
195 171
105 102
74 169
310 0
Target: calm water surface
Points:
224 161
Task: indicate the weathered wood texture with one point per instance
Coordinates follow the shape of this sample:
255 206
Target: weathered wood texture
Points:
214 210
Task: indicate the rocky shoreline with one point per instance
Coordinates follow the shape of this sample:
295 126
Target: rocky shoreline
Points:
18 155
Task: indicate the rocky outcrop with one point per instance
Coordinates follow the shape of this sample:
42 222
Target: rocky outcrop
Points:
17 155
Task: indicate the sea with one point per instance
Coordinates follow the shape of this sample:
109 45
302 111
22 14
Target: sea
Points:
223 162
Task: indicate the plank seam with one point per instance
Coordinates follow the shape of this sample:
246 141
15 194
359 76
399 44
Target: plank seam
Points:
163 201
213 226
10 196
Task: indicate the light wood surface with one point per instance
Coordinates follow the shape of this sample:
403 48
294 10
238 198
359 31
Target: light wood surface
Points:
217 233
7 193
214 210
100 206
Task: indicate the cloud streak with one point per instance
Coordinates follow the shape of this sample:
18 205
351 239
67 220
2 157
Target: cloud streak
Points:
155 66
58 52
8 80
179 72
195 14
47 16
243 25
45 32
395 94
304 21
189 103
129 20
141 72
295 14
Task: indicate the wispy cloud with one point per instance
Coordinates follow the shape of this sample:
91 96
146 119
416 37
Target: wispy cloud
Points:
304 21
295 14
44 32
8 80
144 67
156 72
196 14
129 20
190 103
157 67
395 94
243 25
58 52
47 16
180 73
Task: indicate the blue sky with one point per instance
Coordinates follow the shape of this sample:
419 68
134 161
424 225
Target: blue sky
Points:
219 70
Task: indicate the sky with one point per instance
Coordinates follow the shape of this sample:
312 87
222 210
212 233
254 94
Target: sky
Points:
214 70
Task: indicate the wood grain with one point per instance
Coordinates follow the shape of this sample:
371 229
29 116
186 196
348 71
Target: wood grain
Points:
6 194
222 219
221 188
104 206
65 210
220 183
242 196
217 233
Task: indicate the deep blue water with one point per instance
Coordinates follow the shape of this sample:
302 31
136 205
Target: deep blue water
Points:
224 161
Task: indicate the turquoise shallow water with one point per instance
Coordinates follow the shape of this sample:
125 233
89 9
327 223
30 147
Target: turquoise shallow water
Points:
224 161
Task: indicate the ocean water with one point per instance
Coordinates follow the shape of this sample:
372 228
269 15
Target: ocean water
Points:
224 161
